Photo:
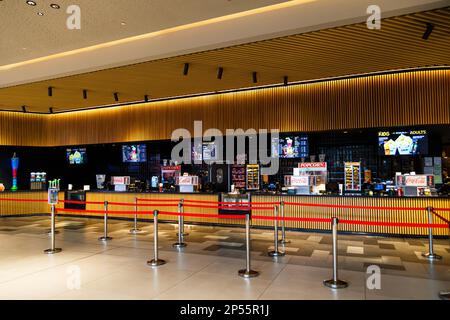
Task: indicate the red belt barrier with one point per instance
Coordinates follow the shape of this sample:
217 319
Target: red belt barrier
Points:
23 200
292 219
187 214
158 200
350 207
442 218
102 211
393 224
223 202
442 209
230 207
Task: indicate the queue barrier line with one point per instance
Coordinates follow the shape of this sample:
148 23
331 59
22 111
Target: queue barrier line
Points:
223 202
207 215
338 206
442 209
442 218
158 200
23 200
143 204
226 216
229 207
394 224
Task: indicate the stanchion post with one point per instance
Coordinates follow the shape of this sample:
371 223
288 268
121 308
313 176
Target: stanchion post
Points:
276 252
335 283
180 243
182 219
248 272
53 248
283 225
105 224
155 262
430 255
135 229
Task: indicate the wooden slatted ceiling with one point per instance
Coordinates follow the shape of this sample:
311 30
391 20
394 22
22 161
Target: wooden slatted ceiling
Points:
341 51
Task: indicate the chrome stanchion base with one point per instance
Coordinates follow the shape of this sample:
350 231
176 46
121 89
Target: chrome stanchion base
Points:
248 274
444 295
136 231
156 263
52 251
431 256
338 284
105 238
276 254
49 233
284 241
179 245
184 234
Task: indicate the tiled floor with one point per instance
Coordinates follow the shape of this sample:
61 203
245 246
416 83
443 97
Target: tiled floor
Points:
207 267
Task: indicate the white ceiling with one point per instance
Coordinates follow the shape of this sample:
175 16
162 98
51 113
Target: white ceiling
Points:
30 44
25 35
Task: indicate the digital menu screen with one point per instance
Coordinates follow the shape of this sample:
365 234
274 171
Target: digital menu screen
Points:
134 153
405 142
290 147
76 155
205 151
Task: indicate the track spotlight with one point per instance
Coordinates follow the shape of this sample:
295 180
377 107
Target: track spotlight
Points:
255 77
116 96
186 69
24 109
428 31
285 80
146 98
50 110
220 73
50 91
85 94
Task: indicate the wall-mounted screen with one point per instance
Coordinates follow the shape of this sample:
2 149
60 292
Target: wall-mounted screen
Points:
76 155
134 153
205 151
294 146
404 142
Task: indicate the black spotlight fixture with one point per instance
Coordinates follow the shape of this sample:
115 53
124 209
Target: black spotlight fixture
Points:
55 6
116 96
285 80
428 31
220 73
186 69
24 109
146 99
50 110
85 94
255 77
30 3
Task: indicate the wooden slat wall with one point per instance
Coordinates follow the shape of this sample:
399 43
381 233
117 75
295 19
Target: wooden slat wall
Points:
419 216
22 129
8 208
416 98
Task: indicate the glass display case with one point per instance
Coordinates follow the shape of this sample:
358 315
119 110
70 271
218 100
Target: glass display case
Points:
252 177
352 176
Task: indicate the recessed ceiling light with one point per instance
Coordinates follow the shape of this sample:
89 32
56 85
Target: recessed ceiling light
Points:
123 23
31 3
55 6
40 14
